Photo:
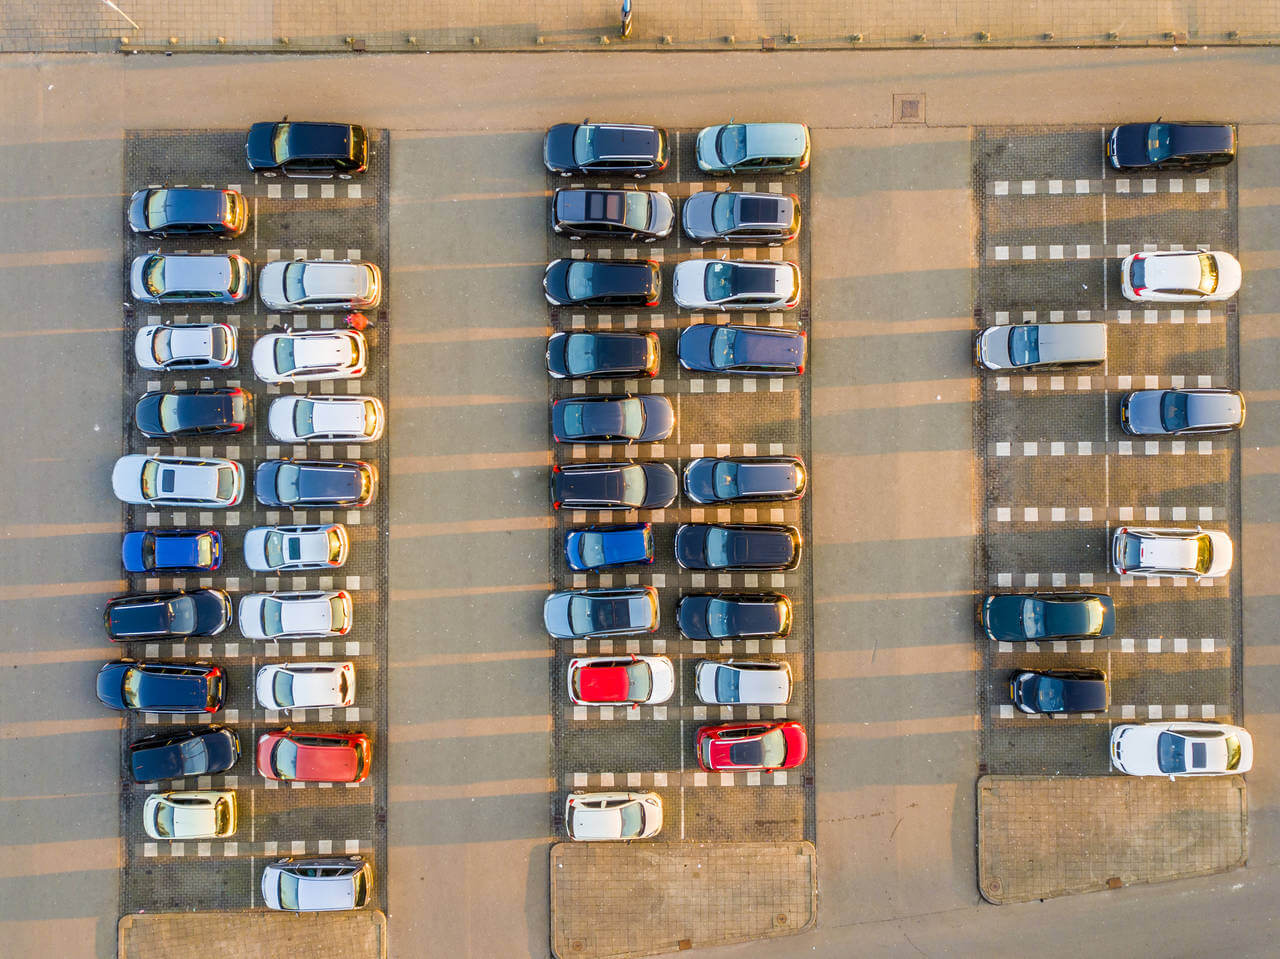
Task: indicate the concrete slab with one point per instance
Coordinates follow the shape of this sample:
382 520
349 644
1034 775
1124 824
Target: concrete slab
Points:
255 935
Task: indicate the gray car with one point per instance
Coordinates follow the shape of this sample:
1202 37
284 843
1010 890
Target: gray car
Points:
1028 346
159 278
753 148
317 884
320 285
645 215
757 219
580 613
1175 412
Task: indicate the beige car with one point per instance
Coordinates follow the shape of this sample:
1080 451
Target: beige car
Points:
195 814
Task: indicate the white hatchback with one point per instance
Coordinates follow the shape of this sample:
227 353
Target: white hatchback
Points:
1180 276
1181 749
194 814
1201 553
270 549
186 346
299 356
307 614
736 682
177 481
600 817
346 419
289 686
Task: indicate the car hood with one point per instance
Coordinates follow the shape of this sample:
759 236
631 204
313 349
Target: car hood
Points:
662 213
554 280
555 615
1002 618
126 478
138 211
258 146
1143 409
1229 274
661 485
557 146
131 550
110 684
993 347
691 614
659 418
706 152
695 215
687 284
271 285
1131 144
250 616
1222 553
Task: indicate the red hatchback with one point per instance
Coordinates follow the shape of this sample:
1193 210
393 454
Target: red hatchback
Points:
314 757
751 746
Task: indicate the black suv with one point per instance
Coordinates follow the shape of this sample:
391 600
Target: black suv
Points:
173 615
206 411
605 148
646 215
318 151
602 283
188 212
1171 146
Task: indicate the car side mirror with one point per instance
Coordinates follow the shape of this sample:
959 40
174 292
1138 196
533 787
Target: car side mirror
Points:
1173 778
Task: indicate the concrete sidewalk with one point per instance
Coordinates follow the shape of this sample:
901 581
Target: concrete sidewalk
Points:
439 25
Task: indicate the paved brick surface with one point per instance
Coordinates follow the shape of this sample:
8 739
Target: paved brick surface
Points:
614 900
1120 831
254 935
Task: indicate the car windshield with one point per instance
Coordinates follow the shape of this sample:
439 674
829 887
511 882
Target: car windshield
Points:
233 271
284 759
182 615
1049 694
1173 411
591 546
1171 753
170 409
164 819
723 341
294 290
335 543
160 350
636 213
1233 751
156 214
204 550
274 547
282 688
285 362
1208 274
303 418
150 479
1032 618
280 142
584 143
718 281
773 746
1159 142
1138 274
724 479
132 686
580 354
718 553
632 816
1024 345
1204 553
718 618
287 482
149 550
337 613
221 816
722 213
731 144
633 486
226 482
578 280
727 684
153 276
195 753
272 616
288 891
639 681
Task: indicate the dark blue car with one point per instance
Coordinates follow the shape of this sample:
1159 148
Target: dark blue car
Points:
172 550
745 350
745 546
1165 145
161 687
194 752
169 615
598 547
1060 691
1022 617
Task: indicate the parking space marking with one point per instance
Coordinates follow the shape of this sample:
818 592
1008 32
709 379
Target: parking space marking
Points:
1179 645
1067 187
1118 514
1006 712
1146 447
671 778
1081 251
1099 383
227 848
1174 316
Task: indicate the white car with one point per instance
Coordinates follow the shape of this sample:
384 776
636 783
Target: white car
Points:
1179 276
621 680
320 285
597 817
177 481
195 814
306 686
1181 749
298 615
736 285
270 549
299 356
743 681
317 884
346 419
186 346
1202 553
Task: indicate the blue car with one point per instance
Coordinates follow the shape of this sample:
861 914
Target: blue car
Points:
165 550
597 547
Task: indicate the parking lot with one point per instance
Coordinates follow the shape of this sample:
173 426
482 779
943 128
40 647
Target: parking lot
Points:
1058 473
651 747
288 219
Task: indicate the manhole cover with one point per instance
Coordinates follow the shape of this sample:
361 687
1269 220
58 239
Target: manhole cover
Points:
908 108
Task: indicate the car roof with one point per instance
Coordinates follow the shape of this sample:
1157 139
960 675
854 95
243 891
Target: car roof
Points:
762 209
197 272
775 139
1180 271
312 139
328 278
1215 408
623 141
755 277
1202 137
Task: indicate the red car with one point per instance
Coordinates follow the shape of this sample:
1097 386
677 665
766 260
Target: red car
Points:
314 757
751 746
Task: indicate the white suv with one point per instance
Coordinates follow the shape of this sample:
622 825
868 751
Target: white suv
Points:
599 817
1202 553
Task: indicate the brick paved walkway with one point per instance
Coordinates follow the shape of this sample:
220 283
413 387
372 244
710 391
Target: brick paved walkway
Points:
91 25
254 935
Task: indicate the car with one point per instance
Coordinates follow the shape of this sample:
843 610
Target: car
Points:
174 347
623 485
308 150
742 350
753 148
304 614
727 615
190 278
143 480
326 419
290 756
1171 146
188 211
167 615
161 687
600 817
1181 411
1060 691
621 680
190 814
587 283
601 547
270 549
1176 749
756 219
730 546
317 885
578 356
1200 553
581 613
208 411
171 550
644 215
605 149
612 419
192 752
744 479
751 746
737 682
307 484
291 285
1019 617
300 356
1180 276
1029 346
287 686
736 285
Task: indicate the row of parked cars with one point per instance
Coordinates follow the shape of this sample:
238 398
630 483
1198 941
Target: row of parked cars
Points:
293 149
1179 748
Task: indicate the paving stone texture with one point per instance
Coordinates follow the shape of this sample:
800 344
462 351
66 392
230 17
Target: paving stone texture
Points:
254 935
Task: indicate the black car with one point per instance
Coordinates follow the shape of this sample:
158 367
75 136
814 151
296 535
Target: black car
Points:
612 419
605 149
725 615
602 283
199 412
760 219
307 484
194 752
645 215
1060 691
1179 411
1171 146
578 356
161 687
613 486
303 150
745 546
744 479
167 615
745 350
188 211
1019 617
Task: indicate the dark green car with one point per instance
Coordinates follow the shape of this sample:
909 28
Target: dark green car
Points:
1023 617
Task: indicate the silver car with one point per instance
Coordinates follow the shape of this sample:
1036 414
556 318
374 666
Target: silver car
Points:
1028 346
186 346
737 681
320 285
160 278
299 356
758 219
306 686
271 549
317 885
177 481
305 614
314 419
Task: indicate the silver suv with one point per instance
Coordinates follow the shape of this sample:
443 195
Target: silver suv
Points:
317 885
320 285
157 278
